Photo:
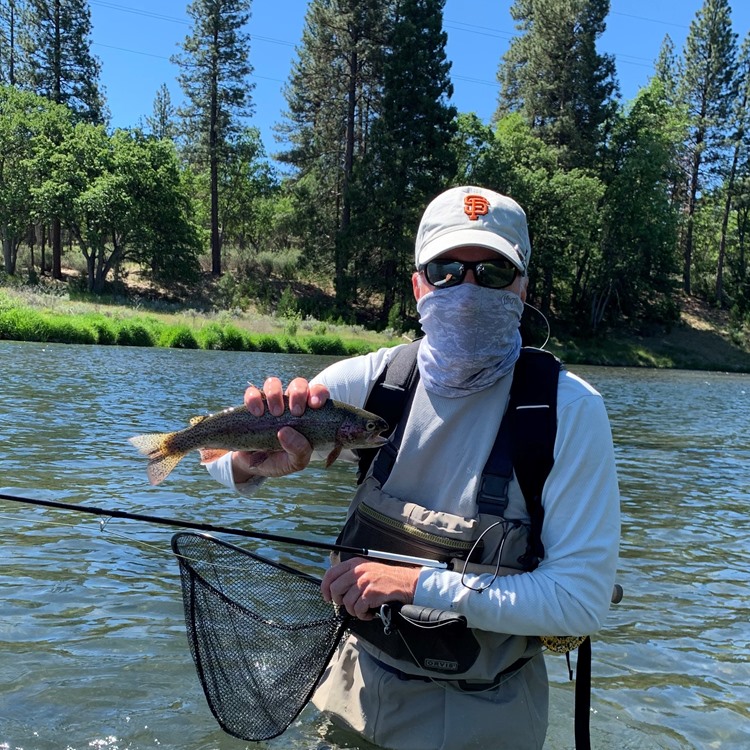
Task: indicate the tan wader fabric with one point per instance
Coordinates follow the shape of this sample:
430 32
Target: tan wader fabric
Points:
400 714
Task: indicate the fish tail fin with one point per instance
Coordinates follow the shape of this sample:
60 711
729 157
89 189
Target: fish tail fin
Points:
161 460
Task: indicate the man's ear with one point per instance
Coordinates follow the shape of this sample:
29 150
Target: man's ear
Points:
419 285
524 287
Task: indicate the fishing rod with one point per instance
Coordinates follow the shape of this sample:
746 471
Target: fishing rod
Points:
161 521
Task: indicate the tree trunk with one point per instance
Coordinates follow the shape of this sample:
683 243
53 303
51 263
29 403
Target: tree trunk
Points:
214 171
692 202
42 251
724 225
728 203
342 287
56 249
8 254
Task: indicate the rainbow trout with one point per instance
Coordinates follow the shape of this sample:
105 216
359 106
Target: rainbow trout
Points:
334 426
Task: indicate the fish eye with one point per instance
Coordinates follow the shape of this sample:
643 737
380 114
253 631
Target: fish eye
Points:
371 425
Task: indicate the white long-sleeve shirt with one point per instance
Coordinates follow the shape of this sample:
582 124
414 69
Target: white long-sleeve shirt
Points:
439 466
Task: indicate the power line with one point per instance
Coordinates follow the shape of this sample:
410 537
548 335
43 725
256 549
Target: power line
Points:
650 20
162 57
450 24
138 12
131 51
478 30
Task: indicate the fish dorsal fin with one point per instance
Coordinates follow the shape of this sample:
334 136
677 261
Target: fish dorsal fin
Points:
197 420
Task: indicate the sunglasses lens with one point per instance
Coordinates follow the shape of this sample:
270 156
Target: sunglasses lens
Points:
496 274
444 273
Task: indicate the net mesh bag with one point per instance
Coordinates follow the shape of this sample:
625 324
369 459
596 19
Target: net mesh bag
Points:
259 632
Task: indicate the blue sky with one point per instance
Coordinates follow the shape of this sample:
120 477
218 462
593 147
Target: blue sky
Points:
135 38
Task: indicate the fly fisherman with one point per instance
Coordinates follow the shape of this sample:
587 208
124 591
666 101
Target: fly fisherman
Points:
472 256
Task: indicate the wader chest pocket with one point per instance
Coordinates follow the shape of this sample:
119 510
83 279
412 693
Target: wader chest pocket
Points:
373 529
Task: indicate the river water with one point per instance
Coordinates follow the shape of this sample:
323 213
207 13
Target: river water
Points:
93 652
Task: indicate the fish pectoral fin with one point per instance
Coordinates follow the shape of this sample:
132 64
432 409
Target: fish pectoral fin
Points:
334 454
211 454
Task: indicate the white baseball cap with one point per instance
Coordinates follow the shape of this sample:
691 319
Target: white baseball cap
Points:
473 216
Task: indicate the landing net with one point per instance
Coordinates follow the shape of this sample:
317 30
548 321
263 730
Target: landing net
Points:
259 632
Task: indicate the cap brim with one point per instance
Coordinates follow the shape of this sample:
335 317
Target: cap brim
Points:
470 238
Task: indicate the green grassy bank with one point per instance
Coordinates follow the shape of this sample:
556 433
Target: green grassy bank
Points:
702 340
26 316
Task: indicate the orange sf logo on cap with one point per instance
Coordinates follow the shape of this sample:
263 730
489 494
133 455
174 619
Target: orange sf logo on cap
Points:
476 206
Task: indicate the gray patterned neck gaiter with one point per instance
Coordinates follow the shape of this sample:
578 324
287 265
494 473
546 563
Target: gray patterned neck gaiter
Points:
471 338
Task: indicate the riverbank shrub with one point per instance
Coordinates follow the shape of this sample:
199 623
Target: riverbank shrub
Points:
105 334
267 343
227 338
134 334
325 345
178 337
17 324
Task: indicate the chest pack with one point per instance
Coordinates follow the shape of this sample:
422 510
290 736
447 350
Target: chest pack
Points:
524 443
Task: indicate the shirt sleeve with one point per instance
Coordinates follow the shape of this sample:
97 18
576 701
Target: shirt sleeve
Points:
221 471
570 592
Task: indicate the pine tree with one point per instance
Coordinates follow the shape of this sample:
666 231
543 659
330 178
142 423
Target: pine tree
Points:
411 156
214 68
162 123
58 64
10 15
707 87
333 96
740 145
668 69
553 75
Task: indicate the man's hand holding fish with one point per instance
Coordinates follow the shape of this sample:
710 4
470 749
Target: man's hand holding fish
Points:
296 449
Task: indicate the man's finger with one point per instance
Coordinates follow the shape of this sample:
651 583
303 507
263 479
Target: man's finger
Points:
297 391
274 394
254 401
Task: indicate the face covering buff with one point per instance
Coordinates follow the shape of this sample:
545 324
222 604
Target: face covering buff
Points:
471 338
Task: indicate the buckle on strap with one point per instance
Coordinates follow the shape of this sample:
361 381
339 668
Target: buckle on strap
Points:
492 497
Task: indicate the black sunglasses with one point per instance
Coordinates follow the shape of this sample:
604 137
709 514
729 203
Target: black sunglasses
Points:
495 274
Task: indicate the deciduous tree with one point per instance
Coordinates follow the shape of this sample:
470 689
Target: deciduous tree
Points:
634 280
57 63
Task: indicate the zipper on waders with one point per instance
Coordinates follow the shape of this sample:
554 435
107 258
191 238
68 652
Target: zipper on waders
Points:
421 541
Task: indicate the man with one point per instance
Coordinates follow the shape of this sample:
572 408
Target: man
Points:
472 254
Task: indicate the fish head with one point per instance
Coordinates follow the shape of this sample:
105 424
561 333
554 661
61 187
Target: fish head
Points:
361 429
